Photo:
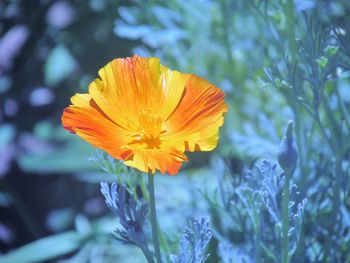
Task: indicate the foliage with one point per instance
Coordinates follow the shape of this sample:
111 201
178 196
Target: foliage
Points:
132 216
193 242
57 245
305 60
249 216
276 60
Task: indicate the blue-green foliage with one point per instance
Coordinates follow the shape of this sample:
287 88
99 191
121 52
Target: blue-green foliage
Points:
193 242
275 60
130 179
131 214
297 52
251 206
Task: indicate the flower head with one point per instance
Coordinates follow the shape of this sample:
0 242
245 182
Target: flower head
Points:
144 113
288 155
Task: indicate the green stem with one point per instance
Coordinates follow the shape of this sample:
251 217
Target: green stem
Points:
144 190
154 224
163 242
226 41
344 111
147 254
337 190
285 223
291 30
257 240
301 144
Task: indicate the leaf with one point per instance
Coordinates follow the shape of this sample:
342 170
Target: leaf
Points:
59 65
46 248
7 133
73 157
59 220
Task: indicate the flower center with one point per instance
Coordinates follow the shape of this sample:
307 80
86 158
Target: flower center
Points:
150 124
150 130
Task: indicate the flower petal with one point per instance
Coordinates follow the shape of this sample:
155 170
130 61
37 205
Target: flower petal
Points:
115 94
172 85
87 120
194 125
164 160
129 86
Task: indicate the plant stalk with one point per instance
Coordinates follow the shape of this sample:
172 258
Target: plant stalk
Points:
148 255
285 223
291 30
154 223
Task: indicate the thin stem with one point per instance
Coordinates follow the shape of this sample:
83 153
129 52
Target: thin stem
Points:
226 41
147 254
285 223
342 107
144 190
257 239
291 30
163 242
337 189
301 143
323 131
154 223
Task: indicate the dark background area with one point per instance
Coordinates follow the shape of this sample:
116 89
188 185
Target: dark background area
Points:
31 32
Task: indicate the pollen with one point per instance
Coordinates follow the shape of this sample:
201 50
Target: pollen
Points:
150 124
148 136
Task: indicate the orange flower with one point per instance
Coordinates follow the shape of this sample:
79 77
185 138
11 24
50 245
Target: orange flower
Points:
144 113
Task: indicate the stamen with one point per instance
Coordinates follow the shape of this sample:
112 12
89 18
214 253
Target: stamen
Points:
150 130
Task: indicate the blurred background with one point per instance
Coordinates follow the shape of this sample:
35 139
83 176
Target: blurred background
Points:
49 50
270 58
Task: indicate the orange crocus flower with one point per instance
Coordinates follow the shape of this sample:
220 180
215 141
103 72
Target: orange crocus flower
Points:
144 113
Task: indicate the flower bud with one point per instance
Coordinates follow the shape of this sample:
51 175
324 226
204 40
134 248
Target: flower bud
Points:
331 50
322 62
288 155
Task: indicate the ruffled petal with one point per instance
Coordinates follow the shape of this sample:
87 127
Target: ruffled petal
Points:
194 124
165 160
130 86
114 92
89 122
172 84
